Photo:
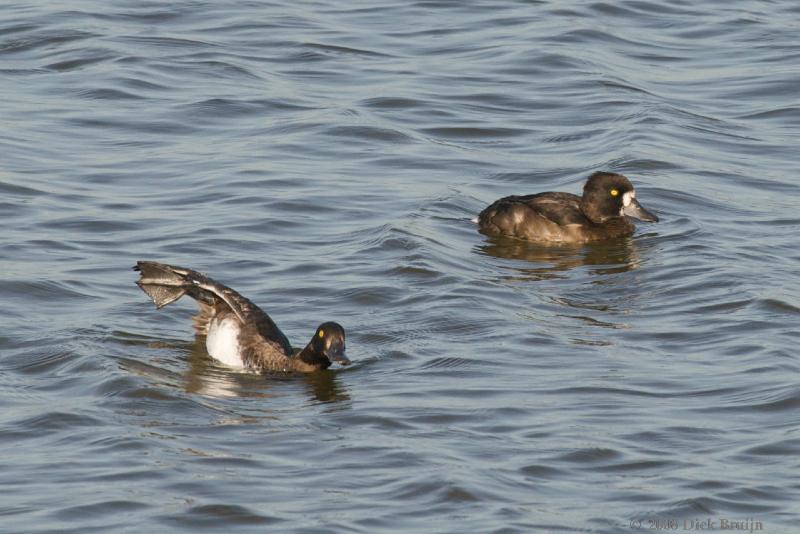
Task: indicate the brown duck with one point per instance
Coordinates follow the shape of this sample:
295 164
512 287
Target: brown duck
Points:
238 333
601 213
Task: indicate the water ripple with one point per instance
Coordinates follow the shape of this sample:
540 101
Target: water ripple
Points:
326 160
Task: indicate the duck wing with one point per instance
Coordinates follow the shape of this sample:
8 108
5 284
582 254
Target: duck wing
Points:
167 283
543 216
563 209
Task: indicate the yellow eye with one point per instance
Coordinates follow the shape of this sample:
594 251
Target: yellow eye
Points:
614 192
322 333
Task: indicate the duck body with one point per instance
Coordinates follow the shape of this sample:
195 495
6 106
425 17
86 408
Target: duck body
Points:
601 213
237 332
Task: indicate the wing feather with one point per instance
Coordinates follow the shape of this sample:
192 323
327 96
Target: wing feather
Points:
167 283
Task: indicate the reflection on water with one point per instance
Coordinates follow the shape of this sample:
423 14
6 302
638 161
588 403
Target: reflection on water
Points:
593 303
548 262
205 377
325 387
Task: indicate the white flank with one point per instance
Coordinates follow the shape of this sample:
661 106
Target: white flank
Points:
222 342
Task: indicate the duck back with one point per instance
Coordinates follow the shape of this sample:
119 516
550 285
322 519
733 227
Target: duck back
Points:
540 217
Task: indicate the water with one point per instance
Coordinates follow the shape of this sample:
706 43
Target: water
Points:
325 159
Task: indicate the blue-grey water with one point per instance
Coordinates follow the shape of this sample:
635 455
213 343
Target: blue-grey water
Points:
325 159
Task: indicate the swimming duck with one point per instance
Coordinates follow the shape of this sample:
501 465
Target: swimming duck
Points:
238 333
601 213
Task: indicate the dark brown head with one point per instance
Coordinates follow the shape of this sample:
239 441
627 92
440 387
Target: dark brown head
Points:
607 195
326 347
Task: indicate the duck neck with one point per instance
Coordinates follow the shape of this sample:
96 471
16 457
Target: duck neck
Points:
311 356
615 227
592 212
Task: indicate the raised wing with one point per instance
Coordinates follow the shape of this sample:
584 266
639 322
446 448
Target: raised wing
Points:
167 283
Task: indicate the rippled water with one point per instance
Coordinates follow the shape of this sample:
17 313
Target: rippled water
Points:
325 159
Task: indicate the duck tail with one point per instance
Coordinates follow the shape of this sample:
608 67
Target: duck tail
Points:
163 283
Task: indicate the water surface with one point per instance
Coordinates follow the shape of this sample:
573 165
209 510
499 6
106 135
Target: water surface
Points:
325 159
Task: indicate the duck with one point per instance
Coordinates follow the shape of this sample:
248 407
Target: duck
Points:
603 212
238 333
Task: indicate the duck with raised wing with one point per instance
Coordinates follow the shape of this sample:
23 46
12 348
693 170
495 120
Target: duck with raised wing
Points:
238 333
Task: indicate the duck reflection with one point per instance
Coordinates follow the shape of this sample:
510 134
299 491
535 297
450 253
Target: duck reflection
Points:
204 377
593 305
548 262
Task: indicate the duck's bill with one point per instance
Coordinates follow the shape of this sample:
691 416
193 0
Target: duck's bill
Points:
635 210
338 356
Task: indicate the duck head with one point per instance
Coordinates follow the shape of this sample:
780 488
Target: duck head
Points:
326 347
607 195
